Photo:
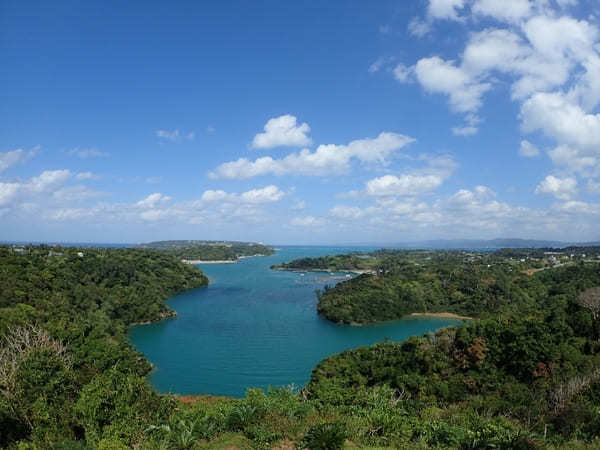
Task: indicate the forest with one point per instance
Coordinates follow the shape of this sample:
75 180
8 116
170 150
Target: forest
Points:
525 375
208 250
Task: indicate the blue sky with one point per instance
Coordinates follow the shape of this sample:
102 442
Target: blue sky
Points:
299 122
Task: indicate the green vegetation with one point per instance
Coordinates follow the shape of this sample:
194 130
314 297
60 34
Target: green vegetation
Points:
522 379
474 284
525 376
63 319
209 250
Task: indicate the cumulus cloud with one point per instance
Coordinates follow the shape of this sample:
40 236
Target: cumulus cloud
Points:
562 120
325 160
444 77
403 185
265 195
506 10
561 188
268 194
550 61
282 131
578 207
445 9
153 200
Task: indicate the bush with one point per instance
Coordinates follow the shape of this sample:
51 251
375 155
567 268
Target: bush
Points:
328 436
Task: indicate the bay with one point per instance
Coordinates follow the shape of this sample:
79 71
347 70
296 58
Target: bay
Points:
255 327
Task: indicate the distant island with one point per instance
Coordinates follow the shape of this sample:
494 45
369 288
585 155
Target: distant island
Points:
196 252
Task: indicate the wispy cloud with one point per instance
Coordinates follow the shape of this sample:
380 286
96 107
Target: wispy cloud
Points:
175 135
86 153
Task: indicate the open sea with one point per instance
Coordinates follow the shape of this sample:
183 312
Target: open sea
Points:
255 327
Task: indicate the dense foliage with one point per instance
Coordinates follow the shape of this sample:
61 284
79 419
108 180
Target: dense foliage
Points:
466 283
84 298
533 371
209 250
526 376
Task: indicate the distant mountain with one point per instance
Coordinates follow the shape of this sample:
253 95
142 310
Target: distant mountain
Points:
454 244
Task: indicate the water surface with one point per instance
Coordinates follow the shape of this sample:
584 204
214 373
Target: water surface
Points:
255 327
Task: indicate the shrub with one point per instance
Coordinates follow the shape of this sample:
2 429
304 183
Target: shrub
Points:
328 436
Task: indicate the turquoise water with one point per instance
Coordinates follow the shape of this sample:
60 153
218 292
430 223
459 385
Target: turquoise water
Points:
254 327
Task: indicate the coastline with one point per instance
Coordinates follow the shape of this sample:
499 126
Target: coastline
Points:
200 261
296 269
442 315
218 261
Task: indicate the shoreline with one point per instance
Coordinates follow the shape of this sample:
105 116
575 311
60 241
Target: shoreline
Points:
298 270
200 261
218 261
442 315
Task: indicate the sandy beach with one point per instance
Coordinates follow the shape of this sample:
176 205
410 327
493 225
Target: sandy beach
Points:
442 315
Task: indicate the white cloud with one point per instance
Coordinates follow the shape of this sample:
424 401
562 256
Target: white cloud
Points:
528 150
505 10
403 73
418 27
593 187
154 180
87 176
299 206
377 65
551 62
12 157
153 200
47 179
214 196
325 160
85 153
561 188
468 130
445 9
558 118
267 194
579 207
403 185
444 77
282 131
68 214
75 194
175 135
574 160
346 212
566 3
8 191
308 221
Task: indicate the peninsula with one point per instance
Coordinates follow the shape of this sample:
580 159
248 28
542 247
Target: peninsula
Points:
203 252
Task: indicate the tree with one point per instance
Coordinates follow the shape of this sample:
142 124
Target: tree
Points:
37 382
590 299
